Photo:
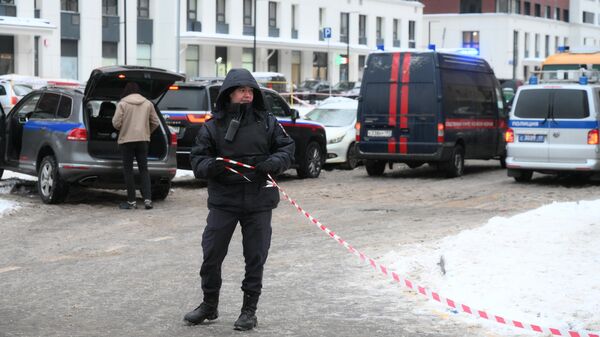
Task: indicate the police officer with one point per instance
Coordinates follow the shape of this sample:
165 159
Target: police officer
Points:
241 130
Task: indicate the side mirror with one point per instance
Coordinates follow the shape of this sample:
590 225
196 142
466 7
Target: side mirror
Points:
294 114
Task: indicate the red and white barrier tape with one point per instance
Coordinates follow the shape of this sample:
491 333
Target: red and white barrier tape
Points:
420 289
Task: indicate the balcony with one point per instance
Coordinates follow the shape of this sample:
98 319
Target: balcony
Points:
110 28
194 26
273 32
70 26
8 10
145 31
248 30
222 28
294 33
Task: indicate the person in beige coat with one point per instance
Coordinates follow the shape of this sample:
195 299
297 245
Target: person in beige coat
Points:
136 119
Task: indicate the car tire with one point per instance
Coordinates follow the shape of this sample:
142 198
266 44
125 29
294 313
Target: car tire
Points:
312 164
160 191
51 188
375 168
456 165
524 176
351 158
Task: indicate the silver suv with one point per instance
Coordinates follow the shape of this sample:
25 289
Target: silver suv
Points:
65 136
553 128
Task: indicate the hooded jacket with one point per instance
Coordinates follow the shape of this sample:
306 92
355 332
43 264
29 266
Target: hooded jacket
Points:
135 118
259 138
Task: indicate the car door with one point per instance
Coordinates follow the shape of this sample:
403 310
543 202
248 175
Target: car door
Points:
529 121
15 122
570 122
2 136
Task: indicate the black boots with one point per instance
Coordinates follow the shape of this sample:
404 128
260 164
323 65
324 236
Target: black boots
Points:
247 319
207 310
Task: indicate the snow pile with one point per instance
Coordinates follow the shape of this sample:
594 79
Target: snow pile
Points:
536 267
6 206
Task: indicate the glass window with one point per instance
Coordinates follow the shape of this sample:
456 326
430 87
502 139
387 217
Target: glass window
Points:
537 45
144 55
28 106
344 18
471 39
502 6
527 8
548 12
64 107
570 104
109 53
294 17
109 7
547 46
185 99
46 108
144 8
395 30
533 104
470 6
468 93
333 117
362 27
69 63
526 44
220 11
2 90
411 34
517 6
273 62
192 58
538 10
379 27
272 14
69 5
278 107
557 14
588 17
21 89
248 12
191 10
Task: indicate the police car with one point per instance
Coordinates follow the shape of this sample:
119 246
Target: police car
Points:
553 127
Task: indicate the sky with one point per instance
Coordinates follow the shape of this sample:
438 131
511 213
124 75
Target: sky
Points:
537 267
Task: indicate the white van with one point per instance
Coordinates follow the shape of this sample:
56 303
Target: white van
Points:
553 128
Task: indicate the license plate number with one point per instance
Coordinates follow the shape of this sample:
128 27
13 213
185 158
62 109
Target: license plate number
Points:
174 129
379 133
532 138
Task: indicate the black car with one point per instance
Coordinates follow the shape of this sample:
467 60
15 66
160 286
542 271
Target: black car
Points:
66 136
189 104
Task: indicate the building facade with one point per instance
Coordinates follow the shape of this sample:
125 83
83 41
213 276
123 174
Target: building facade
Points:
514 36
204 38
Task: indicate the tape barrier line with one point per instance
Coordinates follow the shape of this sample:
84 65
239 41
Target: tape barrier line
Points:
432 295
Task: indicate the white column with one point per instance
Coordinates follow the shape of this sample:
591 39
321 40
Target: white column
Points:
49 56
24 44
164 51
131 32
234 57
285 62
306 64
207 60
90 41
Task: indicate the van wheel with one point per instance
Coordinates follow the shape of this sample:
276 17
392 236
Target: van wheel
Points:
313 162
375 168
160 191
455 167
51 188
524 176
351 160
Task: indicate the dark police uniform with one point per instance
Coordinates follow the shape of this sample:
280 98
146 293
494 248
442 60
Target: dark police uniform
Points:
231 198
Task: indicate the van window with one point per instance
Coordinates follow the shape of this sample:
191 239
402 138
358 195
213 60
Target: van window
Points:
64 107
570 104
277 104
184 99
46 108
533 104
468 93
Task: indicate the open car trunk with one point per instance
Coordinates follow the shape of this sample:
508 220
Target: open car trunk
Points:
102 136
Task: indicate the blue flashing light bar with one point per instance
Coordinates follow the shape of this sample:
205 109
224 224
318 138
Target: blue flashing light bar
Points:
533 79
583 80
431 46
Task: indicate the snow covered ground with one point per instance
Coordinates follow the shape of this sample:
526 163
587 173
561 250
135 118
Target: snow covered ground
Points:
537 267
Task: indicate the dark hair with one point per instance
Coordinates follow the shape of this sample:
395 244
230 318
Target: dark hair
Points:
131 88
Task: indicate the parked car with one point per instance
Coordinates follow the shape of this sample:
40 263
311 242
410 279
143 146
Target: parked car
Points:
312 90
11 92
65 136
429 107
338 114
186 112
553 129
271 80
343 88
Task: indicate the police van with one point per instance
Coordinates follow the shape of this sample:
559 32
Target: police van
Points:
553 127
430 107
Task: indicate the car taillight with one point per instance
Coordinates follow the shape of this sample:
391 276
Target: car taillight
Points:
440 132
77 134
357 127
198 119
593 137
14 100
509 136
173 139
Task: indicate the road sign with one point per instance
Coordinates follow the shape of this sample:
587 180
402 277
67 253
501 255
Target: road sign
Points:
327 32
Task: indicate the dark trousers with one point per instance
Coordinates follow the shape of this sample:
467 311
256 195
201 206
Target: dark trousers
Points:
256 232
139 150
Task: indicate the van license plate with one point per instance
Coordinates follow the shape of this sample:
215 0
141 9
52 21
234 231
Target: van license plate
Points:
379 133
532 138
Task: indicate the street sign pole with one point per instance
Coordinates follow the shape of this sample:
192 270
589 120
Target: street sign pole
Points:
327 35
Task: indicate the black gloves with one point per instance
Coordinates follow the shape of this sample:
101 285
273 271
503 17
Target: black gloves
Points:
266 167
215 168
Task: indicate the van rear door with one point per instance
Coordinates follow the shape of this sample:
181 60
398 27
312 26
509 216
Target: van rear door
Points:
529 121
570 122
399 108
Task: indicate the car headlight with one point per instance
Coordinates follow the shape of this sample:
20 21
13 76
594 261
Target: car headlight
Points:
336 139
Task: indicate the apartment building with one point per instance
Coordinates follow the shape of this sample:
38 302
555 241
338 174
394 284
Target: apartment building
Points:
69 38
514 36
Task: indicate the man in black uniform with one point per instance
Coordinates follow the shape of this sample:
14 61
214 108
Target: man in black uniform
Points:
241 130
